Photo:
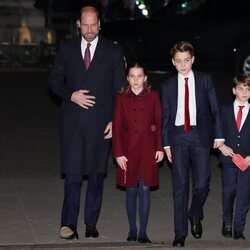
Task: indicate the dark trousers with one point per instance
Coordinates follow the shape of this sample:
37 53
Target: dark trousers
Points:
187 152
235 187
72 194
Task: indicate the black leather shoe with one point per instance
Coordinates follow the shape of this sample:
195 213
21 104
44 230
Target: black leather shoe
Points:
144 240
91 231
196 227
179 241
238 235
132 236
68 232
226 230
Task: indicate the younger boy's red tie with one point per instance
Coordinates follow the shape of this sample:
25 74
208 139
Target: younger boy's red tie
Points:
87 56
239 117
186 111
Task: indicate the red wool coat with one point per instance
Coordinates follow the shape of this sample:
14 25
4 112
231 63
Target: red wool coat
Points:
137 135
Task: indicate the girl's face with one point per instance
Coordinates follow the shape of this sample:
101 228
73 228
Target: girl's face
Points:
136 79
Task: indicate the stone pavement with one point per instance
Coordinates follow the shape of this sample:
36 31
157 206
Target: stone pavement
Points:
31 190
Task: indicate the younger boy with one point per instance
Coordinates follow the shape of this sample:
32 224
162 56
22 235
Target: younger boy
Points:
235 182
191 122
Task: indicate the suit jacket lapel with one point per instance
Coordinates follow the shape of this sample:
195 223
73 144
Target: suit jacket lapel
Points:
175 94
78 55
246 122
98 53
232 117
198 93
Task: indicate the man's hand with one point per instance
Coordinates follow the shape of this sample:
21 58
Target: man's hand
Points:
82 98
169 154
122 162
226 151
108 131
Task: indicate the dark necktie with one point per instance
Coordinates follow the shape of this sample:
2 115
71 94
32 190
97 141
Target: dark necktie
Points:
87 56
239 117
186 110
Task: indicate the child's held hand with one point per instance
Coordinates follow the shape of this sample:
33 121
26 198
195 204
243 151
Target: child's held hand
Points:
247 160
159 156
122 162
226 151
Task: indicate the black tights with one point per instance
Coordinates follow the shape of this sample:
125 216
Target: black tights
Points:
144 208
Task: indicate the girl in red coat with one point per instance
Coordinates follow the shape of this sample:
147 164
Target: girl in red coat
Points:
137 147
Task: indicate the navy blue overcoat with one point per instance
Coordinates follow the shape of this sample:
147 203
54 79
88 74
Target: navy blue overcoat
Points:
83 147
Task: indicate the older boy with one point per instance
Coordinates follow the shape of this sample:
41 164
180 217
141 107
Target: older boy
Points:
191 122
235 182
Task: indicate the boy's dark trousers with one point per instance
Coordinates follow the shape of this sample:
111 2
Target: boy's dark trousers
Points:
188 153
235 188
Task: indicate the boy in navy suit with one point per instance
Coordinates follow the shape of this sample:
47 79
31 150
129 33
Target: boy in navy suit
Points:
191 125
235 182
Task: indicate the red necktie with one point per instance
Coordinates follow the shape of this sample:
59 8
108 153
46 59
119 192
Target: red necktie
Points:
87 56
186 111
239 117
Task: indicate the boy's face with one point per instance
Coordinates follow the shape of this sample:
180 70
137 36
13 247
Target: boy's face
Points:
242 93
183 62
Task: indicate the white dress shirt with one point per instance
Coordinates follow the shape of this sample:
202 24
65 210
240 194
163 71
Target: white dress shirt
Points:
91 48
245 111
180 117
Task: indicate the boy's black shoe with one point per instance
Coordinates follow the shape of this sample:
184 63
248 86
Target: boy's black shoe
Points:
227 229
238 235
196 227
179 241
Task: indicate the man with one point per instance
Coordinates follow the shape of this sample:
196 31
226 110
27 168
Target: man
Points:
191 125
86 74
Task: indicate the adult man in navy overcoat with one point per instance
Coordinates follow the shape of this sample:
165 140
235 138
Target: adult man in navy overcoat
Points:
87 92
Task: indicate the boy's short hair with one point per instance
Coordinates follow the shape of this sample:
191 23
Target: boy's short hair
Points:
182 46
242 79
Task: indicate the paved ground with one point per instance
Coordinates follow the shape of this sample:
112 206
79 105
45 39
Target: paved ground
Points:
31 190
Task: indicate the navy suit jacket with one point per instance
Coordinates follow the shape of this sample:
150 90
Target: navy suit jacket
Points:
208 116
83 148
238 141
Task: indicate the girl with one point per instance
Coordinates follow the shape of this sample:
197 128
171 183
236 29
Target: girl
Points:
137 146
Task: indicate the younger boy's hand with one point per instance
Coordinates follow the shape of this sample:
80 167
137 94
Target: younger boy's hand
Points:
159 156
247 160
226 151
122 162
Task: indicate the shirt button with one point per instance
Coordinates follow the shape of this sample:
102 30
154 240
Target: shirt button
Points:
238 145
238 136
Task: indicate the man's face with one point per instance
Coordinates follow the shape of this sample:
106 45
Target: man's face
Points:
89 25
183 62
242 93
